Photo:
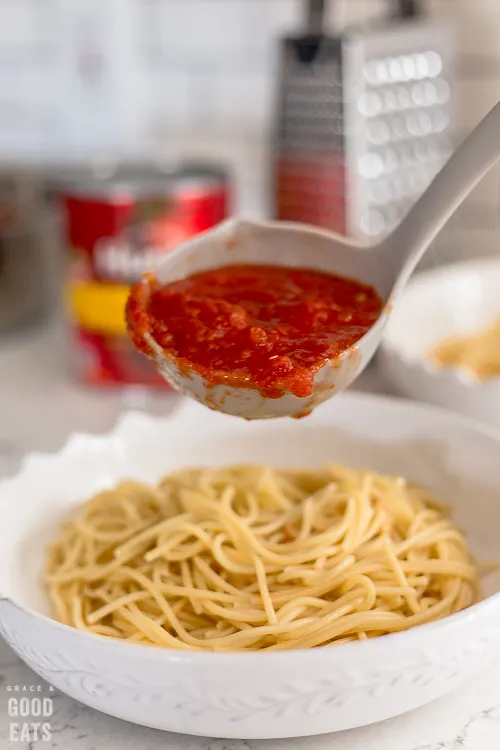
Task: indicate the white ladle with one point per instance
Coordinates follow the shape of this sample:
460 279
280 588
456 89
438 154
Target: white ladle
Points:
387 266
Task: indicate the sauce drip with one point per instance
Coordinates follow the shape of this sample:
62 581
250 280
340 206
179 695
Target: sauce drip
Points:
269 328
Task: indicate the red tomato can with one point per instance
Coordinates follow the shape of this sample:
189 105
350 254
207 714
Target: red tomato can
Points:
116 229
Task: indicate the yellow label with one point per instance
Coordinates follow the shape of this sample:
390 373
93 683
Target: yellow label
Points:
99 307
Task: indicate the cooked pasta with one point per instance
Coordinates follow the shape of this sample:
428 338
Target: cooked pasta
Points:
252 558
478 353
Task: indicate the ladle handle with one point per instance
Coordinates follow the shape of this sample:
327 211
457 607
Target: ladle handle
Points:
465 168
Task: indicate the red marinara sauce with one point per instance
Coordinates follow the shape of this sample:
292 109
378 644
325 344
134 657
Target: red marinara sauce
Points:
270 328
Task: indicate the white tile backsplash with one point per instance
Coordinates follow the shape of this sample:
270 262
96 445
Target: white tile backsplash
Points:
473 241
475 98
198 76
476 23
206 63
18 22
244 102
173 102
190 31
348 13
487 193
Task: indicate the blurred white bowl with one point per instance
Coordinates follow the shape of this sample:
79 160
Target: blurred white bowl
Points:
255 695
458 299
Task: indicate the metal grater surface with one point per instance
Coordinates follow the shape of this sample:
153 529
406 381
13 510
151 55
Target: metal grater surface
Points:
364 125
399 119
310 144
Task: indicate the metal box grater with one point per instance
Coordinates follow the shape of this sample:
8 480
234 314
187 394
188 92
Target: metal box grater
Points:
364 124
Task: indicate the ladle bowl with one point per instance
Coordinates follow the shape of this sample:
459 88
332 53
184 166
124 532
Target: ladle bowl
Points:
282 244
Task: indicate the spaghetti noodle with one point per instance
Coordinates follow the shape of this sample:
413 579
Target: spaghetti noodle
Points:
478 353
252 558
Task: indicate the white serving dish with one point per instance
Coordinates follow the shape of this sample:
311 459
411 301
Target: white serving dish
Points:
255 695
454 300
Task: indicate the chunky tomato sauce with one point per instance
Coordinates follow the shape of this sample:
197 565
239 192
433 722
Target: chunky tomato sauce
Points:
269 328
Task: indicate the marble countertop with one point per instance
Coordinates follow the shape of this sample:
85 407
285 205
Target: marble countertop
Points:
39 407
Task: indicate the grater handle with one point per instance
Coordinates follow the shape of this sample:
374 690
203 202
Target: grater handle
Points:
315 16
407 9
404 248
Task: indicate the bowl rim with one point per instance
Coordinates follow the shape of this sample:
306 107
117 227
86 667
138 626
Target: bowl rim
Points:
188 656
455 376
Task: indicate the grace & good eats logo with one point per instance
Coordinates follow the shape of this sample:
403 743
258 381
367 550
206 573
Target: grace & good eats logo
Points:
29 708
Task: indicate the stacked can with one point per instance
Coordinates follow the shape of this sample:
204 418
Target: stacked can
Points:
117 229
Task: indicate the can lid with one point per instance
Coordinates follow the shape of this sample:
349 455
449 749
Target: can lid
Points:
143 182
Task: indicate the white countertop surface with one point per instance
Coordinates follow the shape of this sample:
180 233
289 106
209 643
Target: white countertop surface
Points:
39 407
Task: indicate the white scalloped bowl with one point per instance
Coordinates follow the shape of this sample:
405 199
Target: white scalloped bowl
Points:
454 300
255 695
